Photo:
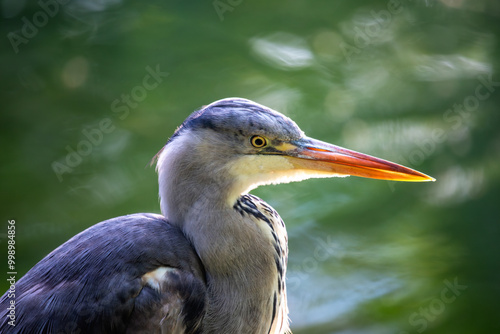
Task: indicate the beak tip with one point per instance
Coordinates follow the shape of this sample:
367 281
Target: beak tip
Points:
423 178
426 178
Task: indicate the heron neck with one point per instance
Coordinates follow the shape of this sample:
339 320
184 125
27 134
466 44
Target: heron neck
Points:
239 259
236 250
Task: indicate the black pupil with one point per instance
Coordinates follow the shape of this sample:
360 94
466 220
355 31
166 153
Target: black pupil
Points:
258 142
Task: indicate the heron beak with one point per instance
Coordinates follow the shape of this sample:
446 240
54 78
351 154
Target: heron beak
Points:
317 156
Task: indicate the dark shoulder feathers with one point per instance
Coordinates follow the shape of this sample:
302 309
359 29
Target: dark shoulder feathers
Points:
108 262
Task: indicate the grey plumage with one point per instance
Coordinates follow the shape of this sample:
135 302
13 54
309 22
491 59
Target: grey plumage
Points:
236 116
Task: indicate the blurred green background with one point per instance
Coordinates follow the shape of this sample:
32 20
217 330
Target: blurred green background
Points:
415 82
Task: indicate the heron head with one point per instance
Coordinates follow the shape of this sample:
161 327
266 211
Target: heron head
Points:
240 144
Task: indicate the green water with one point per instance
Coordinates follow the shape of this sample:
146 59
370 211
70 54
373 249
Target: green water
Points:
415 82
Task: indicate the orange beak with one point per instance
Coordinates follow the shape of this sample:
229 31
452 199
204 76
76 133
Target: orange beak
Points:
316 156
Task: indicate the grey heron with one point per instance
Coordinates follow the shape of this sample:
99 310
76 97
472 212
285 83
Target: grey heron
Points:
215 260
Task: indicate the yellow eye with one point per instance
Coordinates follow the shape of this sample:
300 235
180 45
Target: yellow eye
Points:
258 141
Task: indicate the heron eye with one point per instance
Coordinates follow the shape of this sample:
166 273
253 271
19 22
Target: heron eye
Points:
258 141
